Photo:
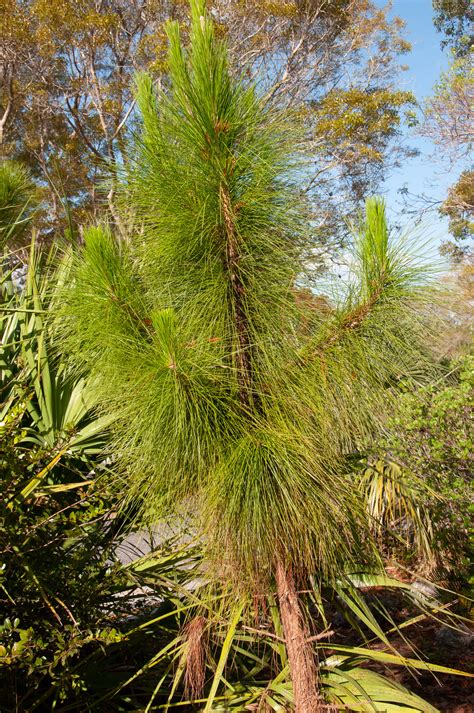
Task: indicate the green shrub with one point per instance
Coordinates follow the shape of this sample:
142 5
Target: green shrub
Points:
432 439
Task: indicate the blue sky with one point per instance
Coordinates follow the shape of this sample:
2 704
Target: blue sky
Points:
426 61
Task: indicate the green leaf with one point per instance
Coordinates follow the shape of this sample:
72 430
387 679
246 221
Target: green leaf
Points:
225 651
396 659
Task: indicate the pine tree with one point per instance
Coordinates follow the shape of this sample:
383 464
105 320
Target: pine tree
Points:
235 395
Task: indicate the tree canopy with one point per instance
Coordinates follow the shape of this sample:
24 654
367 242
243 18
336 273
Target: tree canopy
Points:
454 19
66 105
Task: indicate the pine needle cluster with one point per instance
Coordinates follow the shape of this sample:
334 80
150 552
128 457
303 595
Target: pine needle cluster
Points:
18 198
232 397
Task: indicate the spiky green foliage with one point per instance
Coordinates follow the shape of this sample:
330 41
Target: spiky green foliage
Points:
231 396
396 502
56 408
17 199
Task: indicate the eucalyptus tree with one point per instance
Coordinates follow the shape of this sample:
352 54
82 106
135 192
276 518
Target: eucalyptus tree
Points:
234 393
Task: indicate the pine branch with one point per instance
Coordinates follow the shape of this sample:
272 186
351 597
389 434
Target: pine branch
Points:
350 322
385 282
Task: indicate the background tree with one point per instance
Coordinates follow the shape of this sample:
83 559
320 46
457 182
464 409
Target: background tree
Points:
459 207
67 106
448 120
456 339
448 113
454 19
233 400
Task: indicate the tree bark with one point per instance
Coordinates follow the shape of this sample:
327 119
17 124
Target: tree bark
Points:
301 657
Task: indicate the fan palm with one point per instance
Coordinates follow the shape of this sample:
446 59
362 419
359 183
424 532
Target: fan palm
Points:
231 396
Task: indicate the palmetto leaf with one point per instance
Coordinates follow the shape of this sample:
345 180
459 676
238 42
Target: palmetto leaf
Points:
363 690
394 503
395 659
225 651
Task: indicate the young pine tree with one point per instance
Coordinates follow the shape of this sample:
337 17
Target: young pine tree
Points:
234 396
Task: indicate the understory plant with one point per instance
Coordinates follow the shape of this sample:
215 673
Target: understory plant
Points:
234 401
57 413
67 600
431 447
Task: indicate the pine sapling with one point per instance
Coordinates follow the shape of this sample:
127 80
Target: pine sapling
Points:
234 399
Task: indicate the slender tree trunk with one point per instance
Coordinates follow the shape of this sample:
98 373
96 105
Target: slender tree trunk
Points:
8 84
301 657
303 668
243 357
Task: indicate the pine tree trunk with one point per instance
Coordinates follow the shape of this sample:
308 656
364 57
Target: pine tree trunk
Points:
301 658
